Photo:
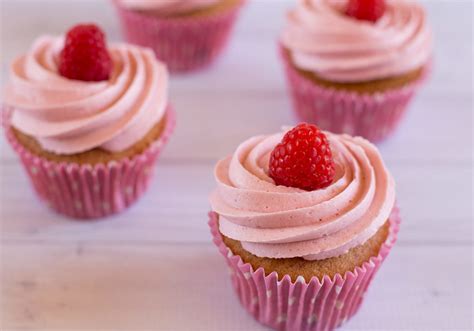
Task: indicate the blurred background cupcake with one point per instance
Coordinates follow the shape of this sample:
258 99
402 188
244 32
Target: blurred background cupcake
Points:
354 65
304 221
88 121
185 34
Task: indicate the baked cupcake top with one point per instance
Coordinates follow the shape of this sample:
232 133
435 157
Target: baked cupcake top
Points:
168 7
277 221
68 116
321 38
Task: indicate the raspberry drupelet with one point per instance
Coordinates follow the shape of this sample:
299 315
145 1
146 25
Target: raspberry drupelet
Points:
85 56
303 159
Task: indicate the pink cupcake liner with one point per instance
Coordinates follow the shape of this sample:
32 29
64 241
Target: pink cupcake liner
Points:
184 44
91 191
373 116
313 306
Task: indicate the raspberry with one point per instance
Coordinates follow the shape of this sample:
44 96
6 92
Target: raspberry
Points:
85 56
303 159
368 10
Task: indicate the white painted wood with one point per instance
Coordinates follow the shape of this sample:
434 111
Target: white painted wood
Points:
249 86
186 287
213 123
176 207
259 26
153 267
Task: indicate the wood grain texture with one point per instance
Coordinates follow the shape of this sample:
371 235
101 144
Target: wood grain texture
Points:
154 267
176 208
185 286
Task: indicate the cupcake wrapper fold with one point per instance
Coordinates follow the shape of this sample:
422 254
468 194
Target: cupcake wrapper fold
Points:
183 43
301 305
91 191
372 116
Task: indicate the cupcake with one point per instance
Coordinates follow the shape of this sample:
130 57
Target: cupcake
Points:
87 121
353 66
186 34
304 221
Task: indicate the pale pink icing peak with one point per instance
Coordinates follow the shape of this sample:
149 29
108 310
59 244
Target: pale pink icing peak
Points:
323 40
283 222
70 116
167 7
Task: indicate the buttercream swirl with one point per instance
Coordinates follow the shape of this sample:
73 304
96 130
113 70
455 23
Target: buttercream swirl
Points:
339 48
284 222
167 7
70 116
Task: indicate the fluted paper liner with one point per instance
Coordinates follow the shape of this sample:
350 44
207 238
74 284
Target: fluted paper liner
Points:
312 305
91 191
183 43
372 116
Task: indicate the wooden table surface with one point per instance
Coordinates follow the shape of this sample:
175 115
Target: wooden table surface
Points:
154 266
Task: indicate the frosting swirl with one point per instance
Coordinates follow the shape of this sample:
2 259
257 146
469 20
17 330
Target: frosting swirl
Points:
323 40
284 222
168 7
70 116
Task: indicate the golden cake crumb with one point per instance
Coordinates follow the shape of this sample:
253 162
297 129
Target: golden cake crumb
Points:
369 87
96 155
295 267
217 8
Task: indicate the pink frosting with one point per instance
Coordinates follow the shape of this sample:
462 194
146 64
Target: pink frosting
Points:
169 6
284 222
323 40
71 116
